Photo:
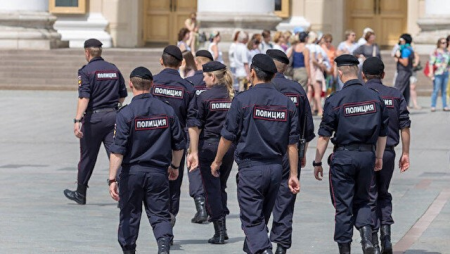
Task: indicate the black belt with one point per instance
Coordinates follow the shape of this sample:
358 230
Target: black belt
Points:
355 147
389 148
101 110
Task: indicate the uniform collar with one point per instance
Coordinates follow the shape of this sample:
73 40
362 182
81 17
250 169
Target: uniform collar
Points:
374 82
99 58
279 75
199 72
141 96
352 82
264 85
171 71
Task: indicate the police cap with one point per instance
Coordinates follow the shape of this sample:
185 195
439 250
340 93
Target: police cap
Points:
373 66
204 53
174 51
278 55
213 66
141 72
264 63
346 59
92 43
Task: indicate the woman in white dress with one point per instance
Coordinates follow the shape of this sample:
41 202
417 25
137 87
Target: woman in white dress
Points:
214 46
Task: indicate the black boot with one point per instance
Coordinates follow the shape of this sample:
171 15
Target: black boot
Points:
78 196
366 240
219 232
268 251
225 228
375 243
280 250
201 215
163 246
129 252
344 248
386 245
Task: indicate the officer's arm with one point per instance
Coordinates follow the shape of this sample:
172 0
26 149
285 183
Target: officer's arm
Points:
293 160
224 145
406 137
122 89
381 145
194 133
177 155
322 144
115 161
84 93
81 107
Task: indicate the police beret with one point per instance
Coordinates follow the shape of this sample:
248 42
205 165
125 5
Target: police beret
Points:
407 38
264 63
141 72
373 66
278 55
346 59
213 66
174 51
93 43
204 53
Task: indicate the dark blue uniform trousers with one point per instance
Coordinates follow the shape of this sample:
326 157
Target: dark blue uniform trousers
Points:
175 190
195 184
350 178
96 128
215 187
151 188
380 198
257 191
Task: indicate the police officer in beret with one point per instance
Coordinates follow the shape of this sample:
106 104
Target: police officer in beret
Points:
283 211
399 122
171 88
101 88
255 115
201 57
148 144
204 130
359 120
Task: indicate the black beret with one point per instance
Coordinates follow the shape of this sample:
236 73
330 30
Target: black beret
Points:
373 66
264 63
407 38
213 66
278 55
141 72
92 43
174 51
346 59
205 53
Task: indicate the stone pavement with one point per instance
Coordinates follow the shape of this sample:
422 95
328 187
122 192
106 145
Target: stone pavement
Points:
39 154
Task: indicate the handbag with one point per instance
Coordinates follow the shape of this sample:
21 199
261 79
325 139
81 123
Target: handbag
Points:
418 67
428 66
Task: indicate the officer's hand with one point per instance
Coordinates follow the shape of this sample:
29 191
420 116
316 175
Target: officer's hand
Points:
77 130
294 184
173 174
404 162
318 172
378 164
303 164
215 168
192 161
113 191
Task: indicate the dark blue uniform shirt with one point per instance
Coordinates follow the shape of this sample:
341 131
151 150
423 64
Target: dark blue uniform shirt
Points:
397 108
211 109
169 87
147 131
102 83
262 122
356 115
297 94
197 81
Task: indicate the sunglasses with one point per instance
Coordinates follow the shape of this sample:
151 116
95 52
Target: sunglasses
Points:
328 41
443 42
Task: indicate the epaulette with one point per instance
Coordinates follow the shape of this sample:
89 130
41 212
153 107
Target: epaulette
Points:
82 67
121 107
167 102
374 89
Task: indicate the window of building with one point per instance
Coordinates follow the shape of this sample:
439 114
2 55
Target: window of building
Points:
282 8
67 6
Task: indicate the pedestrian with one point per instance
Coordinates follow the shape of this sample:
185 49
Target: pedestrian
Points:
359 120
148 144
380 198
300 56
241 56
368 49
184 39
188 67
363 39
204 130
265 42
317 67
279 41
178 93
253 46
215 38
283 210
101 88
347 46
440 60
252 119
192 25
201 57
405 62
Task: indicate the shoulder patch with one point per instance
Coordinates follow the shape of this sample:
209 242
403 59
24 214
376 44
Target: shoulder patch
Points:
295 98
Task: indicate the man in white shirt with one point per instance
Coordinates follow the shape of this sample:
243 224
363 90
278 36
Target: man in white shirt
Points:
241 56
265 44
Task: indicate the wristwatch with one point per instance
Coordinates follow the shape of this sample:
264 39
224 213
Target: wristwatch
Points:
173 166
317 164
77 120
110 181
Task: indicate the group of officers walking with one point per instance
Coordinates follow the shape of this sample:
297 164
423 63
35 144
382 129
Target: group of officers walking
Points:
265 130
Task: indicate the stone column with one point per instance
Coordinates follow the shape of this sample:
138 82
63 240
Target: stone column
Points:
434 24
26 24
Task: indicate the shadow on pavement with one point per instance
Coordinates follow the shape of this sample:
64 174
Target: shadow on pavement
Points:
417 252
177 244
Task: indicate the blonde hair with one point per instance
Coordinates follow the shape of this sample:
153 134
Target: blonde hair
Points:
224 76
277 36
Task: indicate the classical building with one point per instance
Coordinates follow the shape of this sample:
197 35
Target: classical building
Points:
140 23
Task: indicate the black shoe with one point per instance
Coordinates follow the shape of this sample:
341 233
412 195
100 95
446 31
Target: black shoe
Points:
375 242
386 245
78 196
163 246
344 248
366 240
201 215
219 232
268 251
280 250
129 252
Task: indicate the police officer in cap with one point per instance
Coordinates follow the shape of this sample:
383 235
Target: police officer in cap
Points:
380 198
149 144
204 130
283 211
101 88
253 119
201 57
359 120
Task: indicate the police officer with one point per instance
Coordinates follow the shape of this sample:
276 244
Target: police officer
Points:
178 93
359 120
253 119
204 131
101 88
381 199
283 211
147 134
195 179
